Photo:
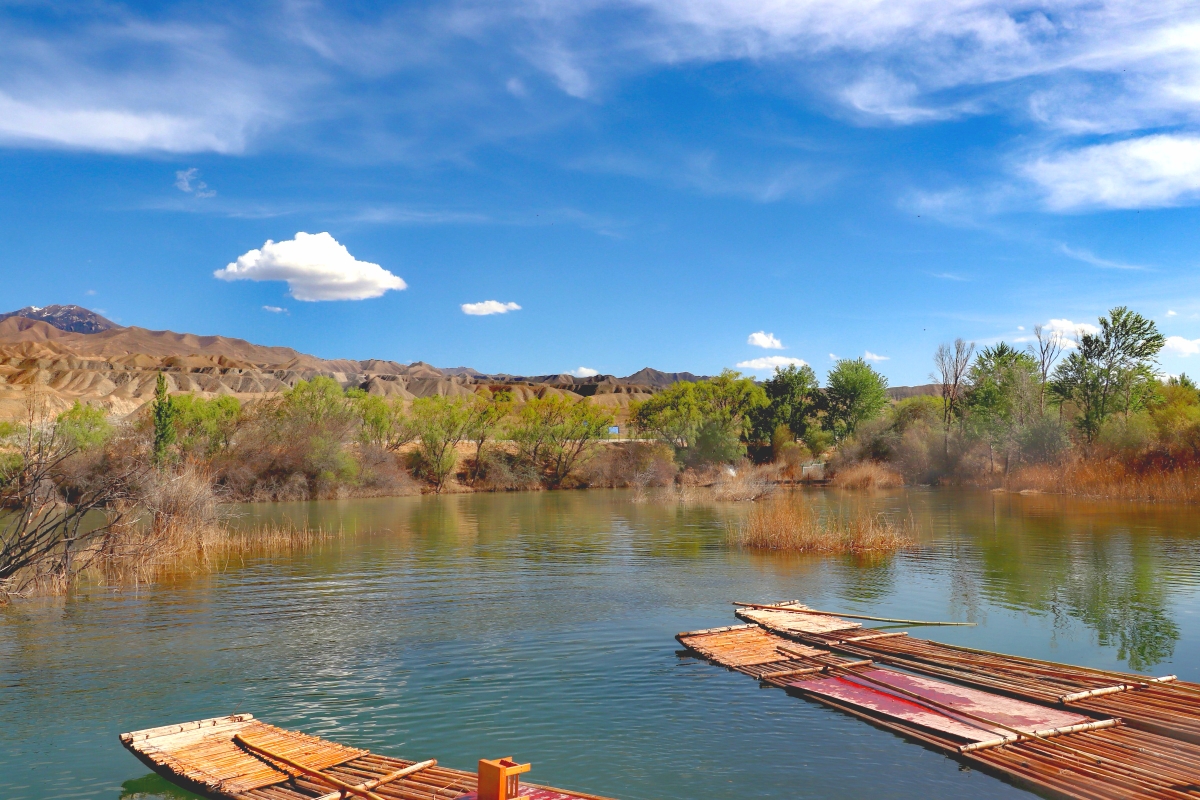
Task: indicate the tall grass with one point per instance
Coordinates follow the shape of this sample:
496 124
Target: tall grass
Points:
172 527
1110 478
867 475
724 483
791 524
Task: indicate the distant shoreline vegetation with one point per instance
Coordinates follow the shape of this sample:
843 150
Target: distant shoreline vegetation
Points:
1000 417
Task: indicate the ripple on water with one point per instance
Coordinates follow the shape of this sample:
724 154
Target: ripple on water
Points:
542 625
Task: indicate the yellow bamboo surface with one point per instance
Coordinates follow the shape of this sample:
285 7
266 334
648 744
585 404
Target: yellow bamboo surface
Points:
745 647
204 753
791 622
207 755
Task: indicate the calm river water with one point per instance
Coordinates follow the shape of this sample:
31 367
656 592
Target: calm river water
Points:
541 625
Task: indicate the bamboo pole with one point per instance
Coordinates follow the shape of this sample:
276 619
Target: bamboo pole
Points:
1098 760
391 776
1083 726
313 773
847 616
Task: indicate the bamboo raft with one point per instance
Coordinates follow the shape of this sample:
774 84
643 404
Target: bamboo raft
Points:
1054 751
240 758
1164 705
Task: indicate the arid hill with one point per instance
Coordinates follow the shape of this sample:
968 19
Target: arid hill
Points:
116 367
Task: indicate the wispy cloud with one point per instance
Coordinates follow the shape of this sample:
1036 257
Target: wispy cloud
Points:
1088 257
583 372
275 309
188 180
771 362
869 356
948 276
1146 172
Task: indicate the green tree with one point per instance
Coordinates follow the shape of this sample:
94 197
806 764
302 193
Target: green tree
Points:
206 427
793 401
1002 397
84 427
487 412
707 421
557 434
319 403
1110 371
382 421
162 411
441 423
855 393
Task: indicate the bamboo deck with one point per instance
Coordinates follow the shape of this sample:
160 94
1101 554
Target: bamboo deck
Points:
204 757
1063 754
1170 709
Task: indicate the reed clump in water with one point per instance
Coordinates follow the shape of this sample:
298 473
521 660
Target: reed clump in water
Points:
178 528
723 483
1111 479
867 475
790 524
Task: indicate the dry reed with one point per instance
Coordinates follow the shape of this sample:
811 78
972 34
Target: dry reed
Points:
173 527
791 524
867 475
1109 479
723 484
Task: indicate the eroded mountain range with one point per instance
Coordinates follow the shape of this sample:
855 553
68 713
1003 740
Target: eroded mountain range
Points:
75 354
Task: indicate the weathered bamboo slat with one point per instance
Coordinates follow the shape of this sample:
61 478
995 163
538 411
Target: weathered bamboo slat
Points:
1042 734
1165 706
1086 759
800 609
257 766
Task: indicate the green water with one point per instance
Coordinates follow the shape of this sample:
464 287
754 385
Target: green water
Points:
541 625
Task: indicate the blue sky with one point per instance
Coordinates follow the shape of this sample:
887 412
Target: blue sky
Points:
650 181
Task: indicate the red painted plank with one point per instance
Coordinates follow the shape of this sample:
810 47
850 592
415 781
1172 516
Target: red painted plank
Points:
1015 713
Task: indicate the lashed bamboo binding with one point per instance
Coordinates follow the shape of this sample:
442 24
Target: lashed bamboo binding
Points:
240 758
1062 752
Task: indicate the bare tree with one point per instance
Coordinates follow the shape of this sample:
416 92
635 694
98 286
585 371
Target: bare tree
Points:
44 529
952 363
1049 348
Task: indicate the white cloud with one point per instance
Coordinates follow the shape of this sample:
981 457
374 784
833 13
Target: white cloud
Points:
832 357
489 307
771 362
316 267
1146 172
1020 327
1088 258
275 309
188 180
1171 313
869 356
1068 328
1181 346
766 340
584 372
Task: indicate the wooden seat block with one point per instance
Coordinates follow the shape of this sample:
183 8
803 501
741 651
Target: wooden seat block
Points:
499 779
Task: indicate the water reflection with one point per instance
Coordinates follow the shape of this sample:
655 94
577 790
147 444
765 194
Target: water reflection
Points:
542 625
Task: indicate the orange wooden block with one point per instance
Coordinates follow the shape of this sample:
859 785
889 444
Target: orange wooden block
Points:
499 779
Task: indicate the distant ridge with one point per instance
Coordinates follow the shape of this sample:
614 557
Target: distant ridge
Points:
78 355
73 319
653 377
